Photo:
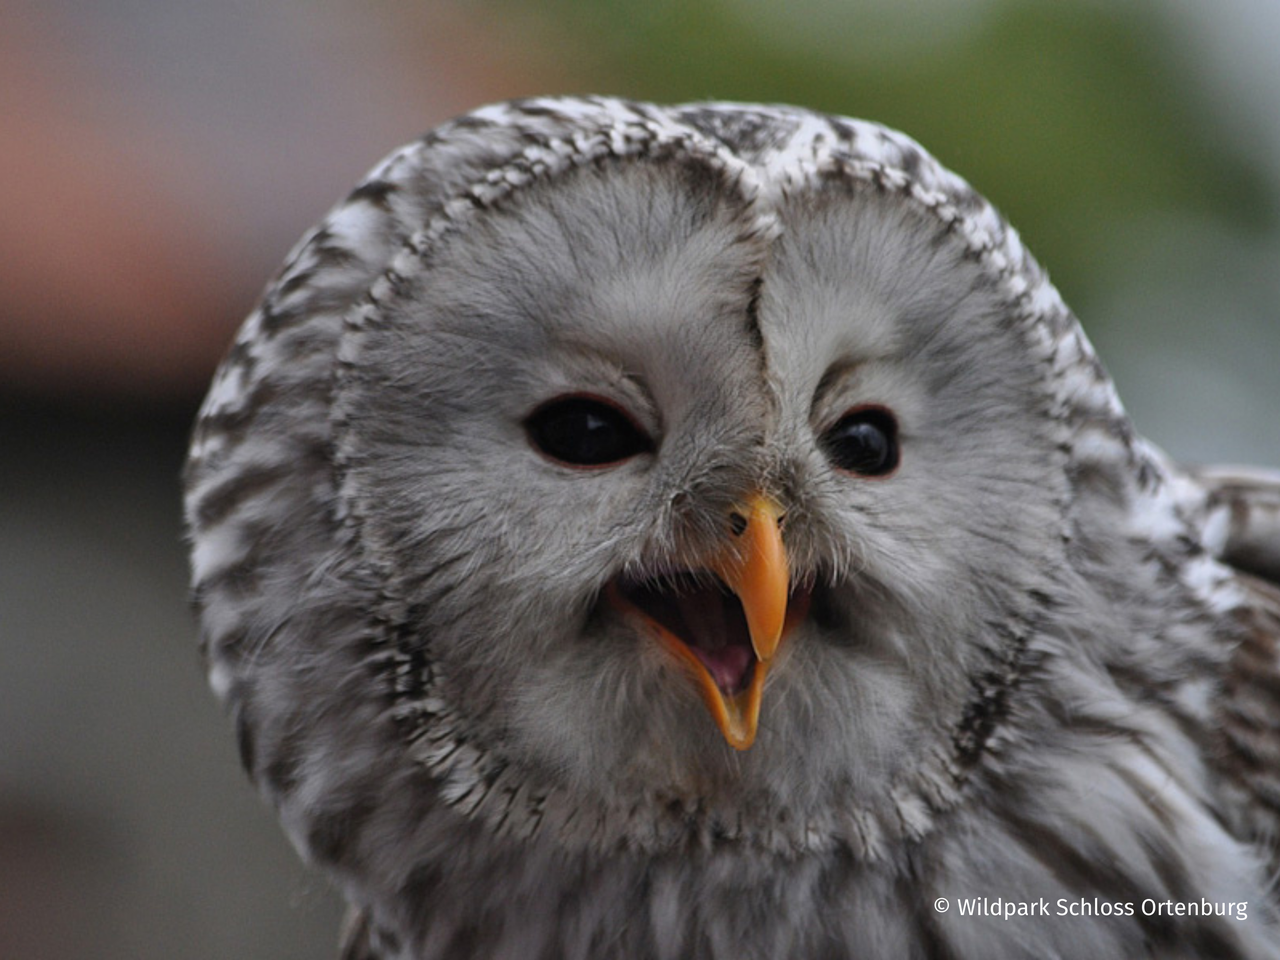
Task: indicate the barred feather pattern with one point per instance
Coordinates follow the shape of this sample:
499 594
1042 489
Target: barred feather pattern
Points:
1103 717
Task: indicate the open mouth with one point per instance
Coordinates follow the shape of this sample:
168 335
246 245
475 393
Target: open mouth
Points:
703 623
701 612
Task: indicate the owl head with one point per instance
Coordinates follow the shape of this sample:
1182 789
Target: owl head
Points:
603 475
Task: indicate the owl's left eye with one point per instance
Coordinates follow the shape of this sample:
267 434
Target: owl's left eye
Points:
864 441
585 431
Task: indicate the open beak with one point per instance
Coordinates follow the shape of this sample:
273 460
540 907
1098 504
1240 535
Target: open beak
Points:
724 633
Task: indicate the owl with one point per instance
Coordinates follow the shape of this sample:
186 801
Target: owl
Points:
703 532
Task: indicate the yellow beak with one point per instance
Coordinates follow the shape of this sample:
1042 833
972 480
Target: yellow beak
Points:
755 568
753 564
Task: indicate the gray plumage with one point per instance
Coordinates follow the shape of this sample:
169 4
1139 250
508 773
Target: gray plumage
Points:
1026 657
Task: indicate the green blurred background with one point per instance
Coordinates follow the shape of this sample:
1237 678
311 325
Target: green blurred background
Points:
159 158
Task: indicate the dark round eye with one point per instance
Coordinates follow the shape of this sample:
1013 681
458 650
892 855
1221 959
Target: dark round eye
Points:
585 432
864 441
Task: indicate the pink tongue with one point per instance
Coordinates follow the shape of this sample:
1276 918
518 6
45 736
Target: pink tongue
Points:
717 639
728 666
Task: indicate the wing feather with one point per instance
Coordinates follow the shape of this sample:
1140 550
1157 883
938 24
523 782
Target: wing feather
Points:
1247 501
1244 533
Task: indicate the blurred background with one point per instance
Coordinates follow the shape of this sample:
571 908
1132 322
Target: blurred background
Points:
159 157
